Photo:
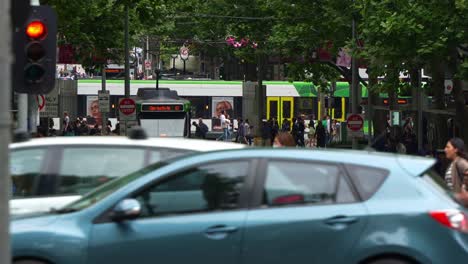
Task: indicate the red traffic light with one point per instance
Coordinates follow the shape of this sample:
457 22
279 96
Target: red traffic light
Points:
36 30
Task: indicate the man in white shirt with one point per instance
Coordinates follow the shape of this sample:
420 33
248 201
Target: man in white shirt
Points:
328 124
224 125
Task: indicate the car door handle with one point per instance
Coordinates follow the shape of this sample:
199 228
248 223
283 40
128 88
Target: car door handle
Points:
341 220
221 229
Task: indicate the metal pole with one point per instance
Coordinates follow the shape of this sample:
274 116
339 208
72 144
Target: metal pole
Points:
369 118
354 84
103 87
370 111
22 112
32 114
135 65
5 126
147 54
127 58
420 111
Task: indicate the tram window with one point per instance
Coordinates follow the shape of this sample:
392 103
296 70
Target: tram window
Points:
274 109
200 107
237 111
337 106
286 109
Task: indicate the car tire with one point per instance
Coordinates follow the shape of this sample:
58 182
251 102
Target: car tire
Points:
390 261
28 261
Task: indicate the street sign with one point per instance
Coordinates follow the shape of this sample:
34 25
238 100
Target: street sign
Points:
395 118
355 125
147 65
448 86
127 109
184 53
51 104
104 98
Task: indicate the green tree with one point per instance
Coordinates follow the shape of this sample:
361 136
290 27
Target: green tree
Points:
408 35
95 28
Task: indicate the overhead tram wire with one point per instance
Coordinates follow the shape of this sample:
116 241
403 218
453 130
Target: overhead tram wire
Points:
198 15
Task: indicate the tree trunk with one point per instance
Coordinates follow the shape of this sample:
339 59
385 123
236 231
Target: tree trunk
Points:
379 117
417 105
460 103
441 128
262 97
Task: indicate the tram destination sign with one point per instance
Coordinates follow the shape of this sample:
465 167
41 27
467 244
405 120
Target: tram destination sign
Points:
162 108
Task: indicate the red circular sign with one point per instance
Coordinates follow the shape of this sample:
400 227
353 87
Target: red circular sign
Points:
355 122
127 106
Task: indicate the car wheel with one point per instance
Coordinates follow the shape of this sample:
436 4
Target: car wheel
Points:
28 261
390 261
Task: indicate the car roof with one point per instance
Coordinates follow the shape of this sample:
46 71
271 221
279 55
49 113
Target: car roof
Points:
173 143
412 164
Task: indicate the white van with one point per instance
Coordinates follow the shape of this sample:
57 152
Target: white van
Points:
51 172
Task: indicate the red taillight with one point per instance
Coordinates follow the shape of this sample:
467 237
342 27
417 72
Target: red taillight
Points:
289 199
454 219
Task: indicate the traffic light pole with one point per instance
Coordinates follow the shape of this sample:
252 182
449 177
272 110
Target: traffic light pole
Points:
103 87
354 85
127 58
5 126
32 114
22 112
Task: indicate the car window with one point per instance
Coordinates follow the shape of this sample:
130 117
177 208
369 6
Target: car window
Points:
164 154
435 180
25 169
294 182
108 188
366 179
83 169
203 188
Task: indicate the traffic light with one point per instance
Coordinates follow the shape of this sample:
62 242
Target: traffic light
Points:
35 46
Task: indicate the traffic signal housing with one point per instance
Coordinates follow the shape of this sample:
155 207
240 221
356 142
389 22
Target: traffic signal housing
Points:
35 46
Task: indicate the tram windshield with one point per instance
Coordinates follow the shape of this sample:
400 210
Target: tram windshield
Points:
164 124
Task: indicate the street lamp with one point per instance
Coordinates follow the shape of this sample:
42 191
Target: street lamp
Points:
157 71
174 57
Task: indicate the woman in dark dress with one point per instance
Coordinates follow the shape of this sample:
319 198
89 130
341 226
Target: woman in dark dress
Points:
320 134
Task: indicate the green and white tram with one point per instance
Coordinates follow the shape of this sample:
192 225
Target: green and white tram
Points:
162 113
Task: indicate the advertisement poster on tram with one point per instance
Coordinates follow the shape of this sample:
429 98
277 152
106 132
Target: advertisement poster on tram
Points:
219 104
93 114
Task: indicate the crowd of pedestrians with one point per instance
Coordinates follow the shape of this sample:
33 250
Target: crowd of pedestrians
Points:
77 127
318 134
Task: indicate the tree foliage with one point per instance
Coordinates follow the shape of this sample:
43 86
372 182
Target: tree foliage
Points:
397 35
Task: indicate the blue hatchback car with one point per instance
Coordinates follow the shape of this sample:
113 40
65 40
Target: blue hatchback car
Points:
257 206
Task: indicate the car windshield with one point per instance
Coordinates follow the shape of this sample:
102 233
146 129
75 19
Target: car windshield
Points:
107 189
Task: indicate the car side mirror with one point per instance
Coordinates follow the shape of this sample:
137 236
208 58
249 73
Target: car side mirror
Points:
127 209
